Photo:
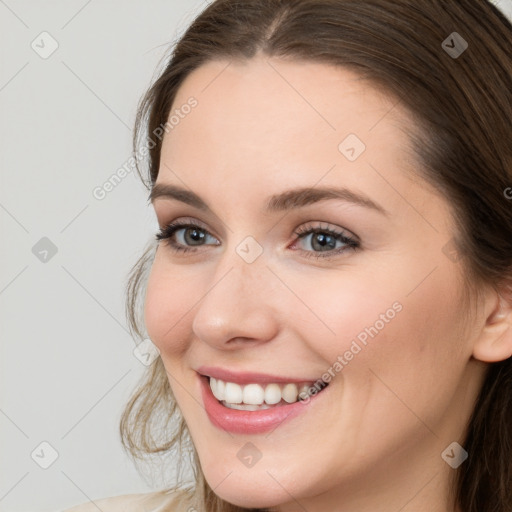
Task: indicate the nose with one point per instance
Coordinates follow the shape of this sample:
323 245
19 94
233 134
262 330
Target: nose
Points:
237 306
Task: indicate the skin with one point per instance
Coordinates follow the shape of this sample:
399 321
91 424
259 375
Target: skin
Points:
262 127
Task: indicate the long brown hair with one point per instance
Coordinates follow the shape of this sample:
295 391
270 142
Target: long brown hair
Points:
462 106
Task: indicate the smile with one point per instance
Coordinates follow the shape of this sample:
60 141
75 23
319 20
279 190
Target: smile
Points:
254 396
243 408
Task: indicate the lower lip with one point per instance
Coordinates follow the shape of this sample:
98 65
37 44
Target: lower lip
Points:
250 422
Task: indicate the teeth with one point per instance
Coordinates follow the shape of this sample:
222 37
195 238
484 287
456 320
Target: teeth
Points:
251 396
217 388
243 407
304 390
289 393
272 394
233 393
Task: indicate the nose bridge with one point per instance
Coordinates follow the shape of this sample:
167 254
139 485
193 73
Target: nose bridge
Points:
236 303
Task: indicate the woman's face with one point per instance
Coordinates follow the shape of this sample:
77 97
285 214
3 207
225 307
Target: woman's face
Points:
381 321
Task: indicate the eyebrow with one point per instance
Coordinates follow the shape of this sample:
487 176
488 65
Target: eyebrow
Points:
288 200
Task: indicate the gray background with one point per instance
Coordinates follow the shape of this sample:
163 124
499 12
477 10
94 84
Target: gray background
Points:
66 364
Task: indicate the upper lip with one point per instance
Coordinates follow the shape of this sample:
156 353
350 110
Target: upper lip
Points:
246 377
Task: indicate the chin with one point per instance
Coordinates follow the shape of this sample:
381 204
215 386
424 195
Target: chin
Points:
248 492
250 498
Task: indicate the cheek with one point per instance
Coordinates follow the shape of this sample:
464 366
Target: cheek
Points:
376 322
421 349
346 314
167 307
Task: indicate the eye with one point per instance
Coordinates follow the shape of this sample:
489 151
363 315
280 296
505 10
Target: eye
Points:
193 234
323 240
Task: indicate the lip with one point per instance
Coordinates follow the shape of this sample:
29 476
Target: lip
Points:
252 422
248 377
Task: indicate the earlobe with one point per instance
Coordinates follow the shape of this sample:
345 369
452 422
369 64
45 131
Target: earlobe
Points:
495 341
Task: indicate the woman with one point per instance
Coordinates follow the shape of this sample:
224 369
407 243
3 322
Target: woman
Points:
330 292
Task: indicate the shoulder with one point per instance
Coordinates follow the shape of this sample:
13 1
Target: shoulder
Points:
148 502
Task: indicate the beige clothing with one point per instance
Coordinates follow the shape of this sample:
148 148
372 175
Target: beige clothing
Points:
148 502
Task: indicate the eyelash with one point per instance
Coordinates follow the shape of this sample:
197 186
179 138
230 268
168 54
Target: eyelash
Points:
351 243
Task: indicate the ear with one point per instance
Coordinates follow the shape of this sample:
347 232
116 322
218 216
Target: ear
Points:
495 341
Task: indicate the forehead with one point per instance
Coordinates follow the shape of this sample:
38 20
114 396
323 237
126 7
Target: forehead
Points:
269 108
266 95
